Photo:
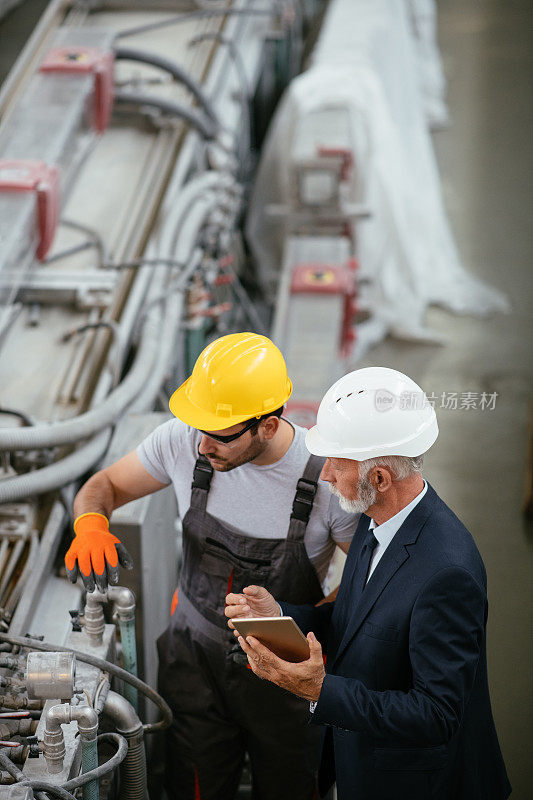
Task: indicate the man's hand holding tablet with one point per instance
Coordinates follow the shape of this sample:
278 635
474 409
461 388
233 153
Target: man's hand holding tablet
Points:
304 678
254 601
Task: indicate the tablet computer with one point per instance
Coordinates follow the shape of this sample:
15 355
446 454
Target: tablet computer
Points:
280 634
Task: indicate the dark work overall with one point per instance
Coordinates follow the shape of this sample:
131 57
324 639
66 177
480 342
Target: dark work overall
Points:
221 709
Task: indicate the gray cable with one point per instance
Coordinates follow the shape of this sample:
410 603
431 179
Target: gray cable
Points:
179 18
178 73
202 123
41 787
91 233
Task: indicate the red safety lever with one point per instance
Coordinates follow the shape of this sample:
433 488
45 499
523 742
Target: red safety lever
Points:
19 175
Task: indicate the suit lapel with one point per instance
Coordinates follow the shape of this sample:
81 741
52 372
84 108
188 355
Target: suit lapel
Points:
393 558
342 599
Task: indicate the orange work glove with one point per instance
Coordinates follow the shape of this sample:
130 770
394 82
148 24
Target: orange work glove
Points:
95 553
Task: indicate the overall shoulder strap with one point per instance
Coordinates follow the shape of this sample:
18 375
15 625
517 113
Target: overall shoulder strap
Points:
304 498
201 483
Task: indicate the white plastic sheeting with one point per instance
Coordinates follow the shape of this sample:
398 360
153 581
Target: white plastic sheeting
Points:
423 14
362 88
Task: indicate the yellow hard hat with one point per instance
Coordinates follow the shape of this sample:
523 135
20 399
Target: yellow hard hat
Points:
236 377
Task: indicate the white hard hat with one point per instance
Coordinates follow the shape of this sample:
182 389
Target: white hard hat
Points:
373 412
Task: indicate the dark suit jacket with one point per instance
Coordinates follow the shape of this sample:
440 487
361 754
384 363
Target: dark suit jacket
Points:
405 700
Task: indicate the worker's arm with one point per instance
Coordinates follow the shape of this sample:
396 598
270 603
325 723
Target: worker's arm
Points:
95 552
112 487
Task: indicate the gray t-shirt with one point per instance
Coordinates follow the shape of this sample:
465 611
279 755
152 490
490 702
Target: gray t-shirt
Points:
252 500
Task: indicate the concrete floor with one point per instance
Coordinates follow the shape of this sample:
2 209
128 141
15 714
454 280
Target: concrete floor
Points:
478 463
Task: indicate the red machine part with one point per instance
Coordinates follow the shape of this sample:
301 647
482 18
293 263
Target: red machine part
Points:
43 179
83 60
344 153
302 413
326 279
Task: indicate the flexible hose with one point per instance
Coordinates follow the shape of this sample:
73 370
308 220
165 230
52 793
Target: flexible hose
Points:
203 124
40 787
176 203
133 777
194 202
143 402
85 425
149 368
89 762
104 769
58 474
178 73
105 666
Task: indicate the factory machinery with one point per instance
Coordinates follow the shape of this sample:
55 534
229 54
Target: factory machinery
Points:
128 134
132 146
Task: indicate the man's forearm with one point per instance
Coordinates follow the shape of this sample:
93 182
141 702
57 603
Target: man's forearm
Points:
96 495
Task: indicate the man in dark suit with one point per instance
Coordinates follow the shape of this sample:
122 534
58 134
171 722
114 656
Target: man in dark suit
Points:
404 697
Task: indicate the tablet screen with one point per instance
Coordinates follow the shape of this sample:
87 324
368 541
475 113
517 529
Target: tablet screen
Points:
280 634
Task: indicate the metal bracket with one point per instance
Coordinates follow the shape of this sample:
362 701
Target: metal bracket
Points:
85 290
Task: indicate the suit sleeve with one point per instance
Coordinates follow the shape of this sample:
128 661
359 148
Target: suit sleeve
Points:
311 618
445 641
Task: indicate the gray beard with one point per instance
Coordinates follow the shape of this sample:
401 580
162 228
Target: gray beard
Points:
367 497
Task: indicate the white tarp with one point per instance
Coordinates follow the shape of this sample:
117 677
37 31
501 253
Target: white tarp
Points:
423 14
363 71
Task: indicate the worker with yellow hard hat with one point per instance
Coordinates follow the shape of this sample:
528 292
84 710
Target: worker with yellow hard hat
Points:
253 512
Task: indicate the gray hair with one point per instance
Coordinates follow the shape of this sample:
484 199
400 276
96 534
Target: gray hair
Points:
401 466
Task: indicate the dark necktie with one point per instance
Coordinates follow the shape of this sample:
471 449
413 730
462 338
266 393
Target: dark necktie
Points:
357 581
363 565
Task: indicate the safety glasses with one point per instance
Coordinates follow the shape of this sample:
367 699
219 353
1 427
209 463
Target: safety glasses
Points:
231 439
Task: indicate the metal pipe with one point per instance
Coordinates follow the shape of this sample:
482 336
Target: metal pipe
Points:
133 783
94 616
124 601
54 741
105 666
54 749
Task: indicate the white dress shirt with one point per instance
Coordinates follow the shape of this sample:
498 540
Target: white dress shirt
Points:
385 533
